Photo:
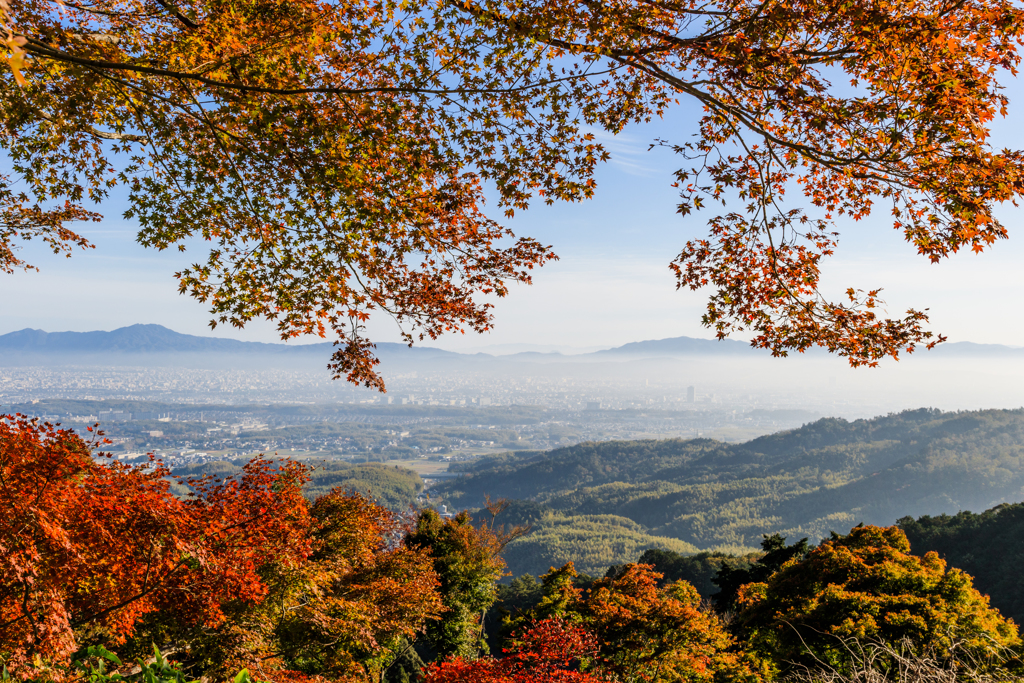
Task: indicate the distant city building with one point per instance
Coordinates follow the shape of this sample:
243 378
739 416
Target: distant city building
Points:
485 401
691 394
593 405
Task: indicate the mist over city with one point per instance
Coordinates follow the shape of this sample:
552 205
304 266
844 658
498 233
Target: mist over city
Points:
130 379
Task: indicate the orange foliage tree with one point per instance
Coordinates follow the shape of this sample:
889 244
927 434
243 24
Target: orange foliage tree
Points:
867 586
89 549
644 632
333 155
371 127
343 614
849 104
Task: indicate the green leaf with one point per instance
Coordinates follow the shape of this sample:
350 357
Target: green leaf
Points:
100 651
159 658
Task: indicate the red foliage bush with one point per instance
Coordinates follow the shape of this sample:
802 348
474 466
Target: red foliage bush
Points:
548 652
84 543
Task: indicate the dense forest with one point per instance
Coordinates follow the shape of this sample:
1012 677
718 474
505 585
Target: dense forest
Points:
108 576
828 475
988 546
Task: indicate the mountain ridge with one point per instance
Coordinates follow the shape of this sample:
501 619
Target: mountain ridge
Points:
153 338
807 481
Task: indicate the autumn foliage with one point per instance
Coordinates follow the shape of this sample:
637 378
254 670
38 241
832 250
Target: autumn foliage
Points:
245 579
335 157
549 651
341 614
243 573
102 545
643 631
868 587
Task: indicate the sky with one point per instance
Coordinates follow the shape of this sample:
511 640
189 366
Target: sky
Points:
611 286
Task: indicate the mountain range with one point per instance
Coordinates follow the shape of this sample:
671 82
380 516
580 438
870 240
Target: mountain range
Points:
143 339
136 339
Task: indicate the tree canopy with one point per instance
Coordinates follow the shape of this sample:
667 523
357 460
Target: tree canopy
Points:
334 155
868 587
93 547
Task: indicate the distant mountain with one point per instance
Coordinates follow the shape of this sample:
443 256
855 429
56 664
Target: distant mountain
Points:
972 349
138 339
681 346
135 339
691 346
159 339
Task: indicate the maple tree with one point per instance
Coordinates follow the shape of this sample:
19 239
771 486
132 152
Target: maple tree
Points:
88 549
334 155
868 587
342 614
331 154
644 632
848 103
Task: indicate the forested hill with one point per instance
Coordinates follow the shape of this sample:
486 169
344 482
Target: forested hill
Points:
828 475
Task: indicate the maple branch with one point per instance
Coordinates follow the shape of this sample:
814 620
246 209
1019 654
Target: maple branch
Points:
39 48
91 10
134 598
96 37
176 13
99 133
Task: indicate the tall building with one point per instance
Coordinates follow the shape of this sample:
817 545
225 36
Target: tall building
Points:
691 394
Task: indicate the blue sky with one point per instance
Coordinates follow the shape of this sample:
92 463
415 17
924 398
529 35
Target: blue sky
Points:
611 286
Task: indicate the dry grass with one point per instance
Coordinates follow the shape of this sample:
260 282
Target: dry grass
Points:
878 662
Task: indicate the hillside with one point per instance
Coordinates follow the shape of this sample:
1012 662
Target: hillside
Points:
592 542
828 475
391 486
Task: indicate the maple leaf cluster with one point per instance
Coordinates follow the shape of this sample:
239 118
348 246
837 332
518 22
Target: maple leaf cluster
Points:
99 546
333 158
549 651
